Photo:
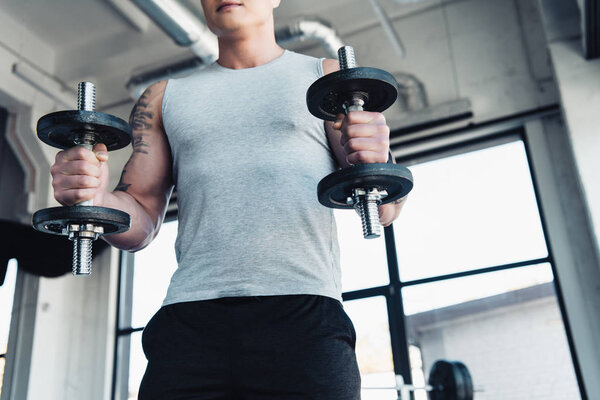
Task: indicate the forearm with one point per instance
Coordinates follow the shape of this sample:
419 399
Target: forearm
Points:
144 223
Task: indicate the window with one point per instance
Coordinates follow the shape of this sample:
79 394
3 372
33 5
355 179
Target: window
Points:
7 292
144 285
470 279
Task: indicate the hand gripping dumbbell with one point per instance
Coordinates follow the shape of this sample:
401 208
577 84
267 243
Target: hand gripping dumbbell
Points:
82 223
362 186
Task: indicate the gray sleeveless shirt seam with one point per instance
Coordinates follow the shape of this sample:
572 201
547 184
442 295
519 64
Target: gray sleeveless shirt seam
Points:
220 157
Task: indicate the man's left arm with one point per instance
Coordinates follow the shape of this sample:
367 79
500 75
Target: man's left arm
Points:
361 137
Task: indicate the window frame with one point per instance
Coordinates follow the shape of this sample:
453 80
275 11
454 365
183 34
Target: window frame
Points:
417 148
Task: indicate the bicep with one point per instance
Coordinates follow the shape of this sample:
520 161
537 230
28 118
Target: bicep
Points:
147 176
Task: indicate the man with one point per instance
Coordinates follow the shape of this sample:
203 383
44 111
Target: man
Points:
253 310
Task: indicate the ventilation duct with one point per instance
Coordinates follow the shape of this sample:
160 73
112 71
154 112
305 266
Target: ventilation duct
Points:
412 96
187 30
310 29
182 26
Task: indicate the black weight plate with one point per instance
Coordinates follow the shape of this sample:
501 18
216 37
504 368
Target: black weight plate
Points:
326 96
467 387
335 188
54 219
450 380
61 129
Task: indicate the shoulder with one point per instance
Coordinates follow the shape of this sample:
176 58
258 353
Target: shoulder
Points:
330 65
148 106
154 93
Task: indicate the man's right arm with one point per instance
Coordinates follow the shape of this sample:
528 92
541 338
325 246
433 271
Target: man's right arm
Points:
146 181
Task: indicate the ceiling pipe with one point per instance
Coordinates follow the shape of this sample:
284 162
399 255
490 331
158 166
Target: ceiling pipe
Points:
311 29
182 26
388 28
187 30
412 95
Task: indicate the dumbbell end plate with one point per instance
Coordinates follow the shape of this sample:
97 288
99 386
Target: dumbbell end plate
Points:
326 96
55 220
61 129
335 188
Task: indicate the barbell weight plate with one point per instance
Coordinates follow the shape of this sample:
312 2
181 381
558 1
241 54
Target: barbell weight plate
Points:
450 380
335 188
467 388
61 129
326 96
55 219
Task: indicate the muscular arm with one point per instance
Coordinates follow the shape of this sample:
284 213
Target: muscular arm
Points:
340 148
146 181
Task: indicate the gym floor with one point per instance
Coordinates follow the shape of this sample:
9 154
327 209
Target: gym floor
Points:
493 262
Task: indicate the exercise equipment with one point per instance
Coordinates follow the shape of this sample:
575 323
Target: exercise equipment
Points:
448 380
82 223
362 186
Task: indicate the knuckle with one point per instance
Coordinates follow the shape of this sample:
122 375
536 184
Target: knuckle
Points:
383 130
353 145
86 181
381 158
54 170
81 195
352 131
362 157
79 151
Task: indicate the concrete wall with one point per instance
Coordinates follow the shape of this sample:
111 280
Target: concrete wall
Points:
69 354
492 52
578 82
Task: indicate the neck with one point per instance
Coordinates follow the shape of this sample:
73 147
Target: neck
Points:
241 50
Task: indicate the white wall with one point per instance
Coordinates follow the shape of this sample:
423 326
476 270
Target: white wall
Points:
513 353
72 347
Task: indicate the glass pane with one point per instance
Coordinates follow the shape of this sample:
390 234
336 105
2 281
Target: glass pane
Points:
137 364
363 261
2 364
506 327
153 269
469 211
7 293
373 346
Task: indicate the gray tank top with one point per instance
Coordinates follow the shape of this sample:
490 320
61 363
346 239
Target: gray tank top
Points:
247 158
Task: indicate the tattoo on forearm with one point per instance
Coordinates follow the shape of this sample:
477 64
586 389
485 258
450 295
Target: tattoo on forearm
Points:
140 121
122 186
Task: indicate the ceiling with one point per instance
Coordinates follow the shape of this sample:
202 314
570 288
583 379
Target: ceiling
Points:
95 40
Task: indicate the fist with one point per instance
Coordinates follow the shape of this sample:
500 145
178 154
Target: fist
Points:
79 174
365 137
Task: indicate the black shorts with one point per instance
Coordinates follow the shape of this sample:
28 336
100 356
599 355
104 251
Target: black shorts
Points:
253 348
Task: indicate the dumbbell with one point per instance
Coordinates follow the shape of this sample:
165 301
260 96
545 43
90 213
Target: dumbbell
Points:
82 223
362 186
448 380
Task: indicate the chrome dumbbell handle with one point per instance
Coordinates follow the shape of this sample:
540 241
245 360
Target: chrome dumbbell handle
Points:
366 200
84 235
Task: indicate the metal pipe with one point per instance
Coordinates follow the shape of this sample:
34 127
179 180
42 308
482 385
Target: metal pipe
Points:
182 26
311 29
388 28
